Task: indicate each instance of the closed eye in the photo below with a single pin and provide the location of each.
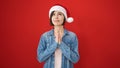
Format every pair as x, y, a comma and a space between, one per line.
60, 13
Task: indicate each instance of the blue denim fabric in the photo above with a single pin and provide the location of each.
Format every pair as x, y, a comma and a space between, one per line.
69, 47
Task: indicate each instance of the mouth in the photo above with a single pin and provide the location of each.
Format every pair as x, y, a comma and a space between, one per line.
56, 20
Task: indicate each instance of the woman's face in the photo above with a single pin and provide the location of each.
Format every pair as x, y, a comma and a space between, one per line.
57, 18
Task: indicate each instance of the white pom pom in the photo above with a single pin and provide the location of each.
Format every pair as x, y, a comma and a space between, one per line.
70, 20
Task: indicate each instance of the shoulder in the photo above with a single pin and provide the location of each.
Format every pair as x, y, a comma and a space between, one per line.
47, 33
72, 34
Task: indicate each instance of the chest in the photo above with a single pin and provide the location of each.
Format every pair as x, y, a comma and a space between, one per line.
51, 39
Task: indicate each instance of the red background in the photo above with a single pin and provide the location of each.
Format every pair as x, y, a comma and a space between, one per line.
96, 23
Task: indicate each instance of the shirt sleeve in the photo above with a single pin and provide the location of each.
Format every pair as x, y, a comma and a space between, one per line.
70, 52
44, 52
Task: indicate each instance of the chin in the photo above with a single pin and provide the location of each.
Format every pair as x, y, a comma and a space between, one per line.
57, 24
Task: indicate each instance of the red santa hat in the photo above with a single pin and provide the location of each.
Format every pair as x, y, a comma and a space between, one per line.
63, 10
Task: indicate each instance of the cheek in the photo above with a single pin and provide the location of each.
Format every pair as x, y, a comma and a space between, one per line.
62, 19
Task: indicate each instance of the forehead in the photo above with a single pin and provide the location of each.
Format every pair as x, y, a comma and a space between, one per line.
58, 12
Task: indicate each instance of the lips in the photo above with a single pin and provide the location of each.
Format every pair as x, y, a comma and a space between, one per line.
56, 20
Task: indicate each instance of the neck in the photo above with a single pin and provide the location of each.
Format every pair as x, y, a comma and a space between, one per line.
58, 28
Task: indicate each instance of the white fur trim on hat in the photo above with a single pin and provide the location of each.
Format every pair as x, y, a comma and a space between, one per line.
61, 9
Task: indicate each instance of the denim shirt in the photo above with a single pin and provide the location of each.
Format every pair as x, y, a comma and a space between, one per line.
69, 47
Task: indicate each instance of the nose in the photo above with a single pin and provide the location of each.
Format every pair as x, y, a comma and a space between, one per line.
56, 16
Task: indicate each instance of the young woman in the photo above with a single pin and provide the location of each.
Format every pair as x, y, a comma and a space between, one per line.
58, 48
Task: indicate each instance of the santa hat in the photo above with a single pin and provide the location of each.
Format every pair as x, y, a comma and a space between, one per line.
61, 9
